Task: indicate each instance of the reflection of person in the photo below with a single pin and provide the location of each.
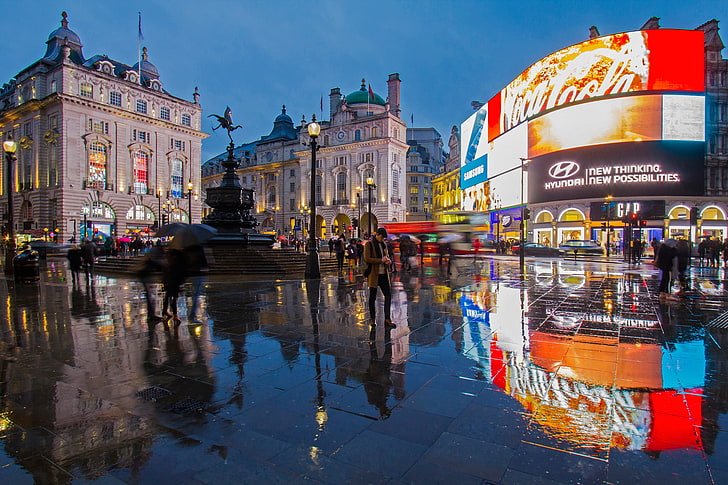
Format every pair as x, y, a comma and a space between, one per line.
683, 263
665, 260
378, 257
152, 262
378, 381
197, 267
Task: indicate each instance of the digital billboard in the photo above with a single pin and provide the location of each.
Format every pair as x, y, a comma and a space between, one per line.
630, 62
622, 170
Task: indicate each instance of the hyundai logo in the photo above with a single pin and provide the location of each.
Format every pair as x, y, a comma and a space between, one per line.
563, 170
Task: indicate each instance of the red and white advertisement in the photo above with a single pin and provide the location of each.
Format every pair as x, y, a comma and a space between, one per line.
650, 60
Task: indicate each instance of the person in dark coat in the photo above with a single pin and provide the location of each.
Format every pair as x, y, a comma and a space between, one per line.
89, 250
75, 262
377, 256
666, 260
172, 278
340, 247
153, 262
682, 252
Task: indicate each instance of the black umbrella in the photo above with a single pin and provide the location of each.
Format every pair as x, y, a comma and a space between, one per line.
169, 230
192, 235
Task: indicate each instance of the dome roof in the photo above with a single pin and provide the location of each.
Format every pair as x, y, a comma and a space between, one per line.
362, 96
149, 69
283, 116
63, 32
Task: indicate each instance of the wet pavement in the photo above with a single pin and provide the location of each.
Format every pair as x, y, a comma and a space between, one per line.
572, 373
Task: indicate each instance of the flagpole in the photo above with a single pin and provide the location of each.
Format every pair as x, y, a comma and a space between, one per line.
139, 50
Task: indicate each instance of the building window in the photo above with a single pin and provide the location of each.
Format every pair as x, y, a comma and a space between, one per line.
177, 172
414, 189
375, 131
357, 135
164, 113
271, 197
186, 120
54, 86
142, 136
87, 90
52, 164
292, 204
141, 172
340, 161
141, 106
53, 122
292, 187
140, 213
97, 126
244, 179
97, 165
395, 183
319, 183
292, 173
414, 201
414, 180
115, 98
178, 145
341, 186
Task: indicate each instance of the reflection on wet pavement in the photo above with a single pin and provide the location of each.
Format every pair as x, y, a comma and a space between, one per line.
571, 373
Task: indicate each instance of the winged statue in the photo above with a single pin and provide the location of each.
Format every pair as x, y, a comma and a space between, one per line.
225, 122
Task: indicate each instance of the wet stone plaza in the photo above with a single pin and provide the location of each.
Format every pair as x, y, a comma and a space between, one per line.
574, 372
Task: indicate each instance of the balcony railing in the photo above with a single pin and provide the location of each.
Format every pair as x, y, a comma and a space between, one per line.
342, 202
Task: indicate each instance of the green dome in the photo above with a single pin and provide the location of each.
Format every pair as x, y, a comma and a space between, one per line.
362, 96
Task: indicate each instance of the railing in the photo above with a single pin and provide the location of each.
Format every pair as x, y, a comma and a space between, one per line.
341, 202
395, 200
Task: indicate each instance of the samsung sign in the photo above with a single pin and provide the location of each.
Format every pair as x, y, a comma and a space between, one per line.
622, 169
474, 172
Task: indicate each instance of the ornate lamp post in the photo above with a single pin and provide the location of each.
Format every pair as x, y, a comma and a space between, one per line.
313, 268
159, 208
370, 186
10, 147
358, 212
189, 200
607, 209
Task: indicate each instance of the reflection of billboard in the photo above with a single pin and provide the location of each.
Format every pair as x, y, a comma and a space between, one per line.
620, 170
651, 60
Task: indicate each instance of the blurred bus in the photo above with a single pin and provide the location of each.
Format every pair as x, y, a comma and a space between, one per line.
460, 228
425, 231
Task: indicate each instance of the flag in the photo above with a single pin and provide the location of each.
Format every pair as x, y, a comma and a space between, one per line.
371, 93
322, 104
412, 119
141, 36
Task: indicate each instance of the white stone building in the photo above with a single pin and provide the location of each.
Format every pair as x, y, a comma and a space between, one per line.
103, 148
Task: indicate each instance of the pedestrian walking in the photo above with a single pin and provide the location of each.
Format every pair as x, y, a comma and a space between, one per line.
666, 261
75, 262
682, 251
172, 278
152, 263
89, 251
377, 256
340, 248
406, 251
332, 242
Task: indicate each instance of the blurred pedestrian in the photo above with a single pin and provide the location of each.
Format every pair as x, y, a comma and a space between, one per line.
682, 251
197, 269
378, 257
340, 248
152, 263
477, 246
75, 262
172, 278
407, 250
666, 261
89, 251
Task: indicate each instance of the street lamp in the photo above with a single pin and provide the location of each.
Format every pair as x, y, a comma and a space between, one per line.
358, 212
608, 208
370, 187
168, 208
10, 147
189, 200
313, 268
524, 211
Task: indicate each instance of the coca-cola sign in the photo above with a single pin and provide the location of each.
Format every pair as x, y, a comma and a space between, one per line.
612, 65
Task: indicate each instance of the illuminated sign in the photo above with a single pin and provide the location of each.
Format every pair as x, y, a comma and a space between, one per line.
613, 210
622, 169
474, 173
649, 60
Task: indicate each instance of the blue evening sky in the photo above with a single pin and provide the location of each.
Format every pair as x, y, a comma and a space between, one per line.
258, 55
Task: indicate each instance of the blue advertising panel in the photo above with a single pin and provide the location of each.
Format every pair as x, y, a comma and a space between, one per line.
474, 172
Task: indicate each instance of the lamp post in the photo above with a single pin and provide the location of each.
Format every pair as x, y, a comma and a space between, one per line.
189, 200
313, 268
10, 147
159, 209
370, 187
608, 207
521, 246
358, 212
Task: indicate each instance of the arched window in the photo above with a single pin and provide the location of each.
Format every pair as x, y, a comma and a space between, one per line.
141, 172
177, 177
140, 213
341, 192
97, 165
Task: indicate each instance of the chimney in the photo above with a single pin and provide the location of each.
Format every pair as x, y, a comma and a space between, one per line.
593, 32
334, 101
393, 94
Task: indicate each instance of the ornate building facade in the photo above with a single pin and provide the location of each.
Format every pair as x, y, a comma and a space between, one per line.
102, 148
425, 158
364, 139
446, 193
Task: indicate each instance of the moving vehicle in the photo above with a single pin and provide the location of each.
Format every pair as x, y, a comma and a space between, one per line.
581, 246
537, 249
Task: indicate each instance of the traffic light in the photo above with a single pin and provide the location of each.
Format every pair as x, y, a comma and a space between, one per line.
355, 222
526, 214
633, 218
694, 216
643, 223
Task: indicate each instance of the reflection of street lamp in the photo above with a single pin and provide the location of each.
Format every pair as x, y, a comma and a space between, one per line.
9, 147
370, 187
521, 248
189, 200
313, 268
305, 211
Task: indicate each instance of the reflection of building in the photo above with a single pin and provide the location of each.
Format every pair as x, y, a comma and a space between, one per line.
604, 129
364, 137
98, 140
